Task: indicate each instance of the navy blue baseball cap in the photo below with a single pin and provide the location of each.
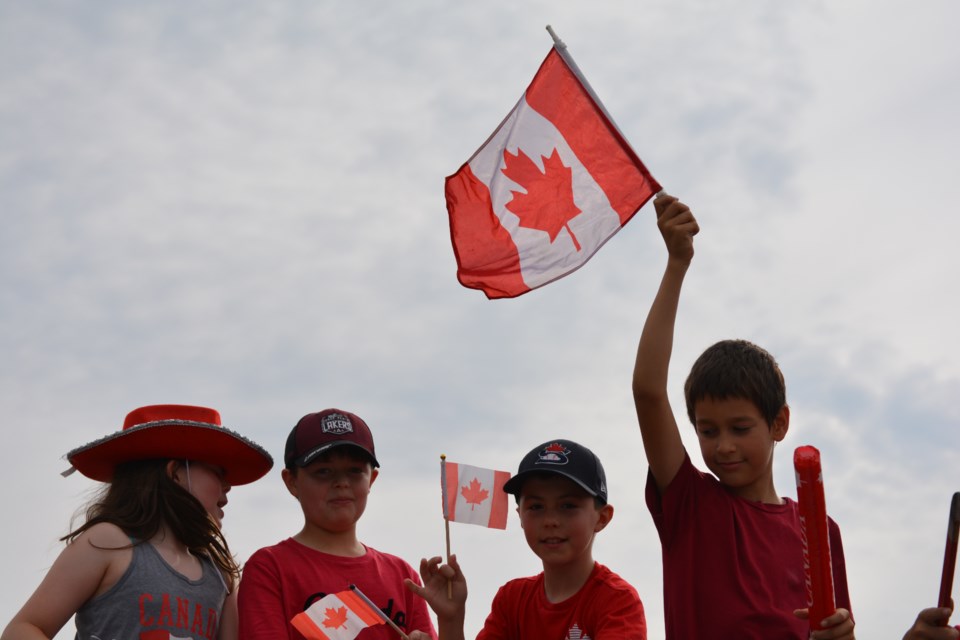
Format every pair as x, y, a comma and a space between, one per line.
566, 458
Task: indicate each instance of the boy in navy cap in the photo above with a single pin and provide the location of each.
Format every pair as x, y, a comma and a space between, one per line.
561, 494
330, 467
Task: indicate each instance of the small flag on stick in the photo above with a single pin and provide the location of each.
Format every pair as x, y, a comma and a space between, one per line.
474, 495
817, 562
340, 616
551, 185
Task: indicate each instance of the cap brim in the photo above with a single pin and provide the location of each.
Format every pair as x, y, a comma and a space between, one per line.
515, 484
242, 460
311, 455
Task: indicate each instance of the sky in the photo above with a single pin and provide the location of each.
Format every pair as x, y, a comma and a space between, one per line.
240, 205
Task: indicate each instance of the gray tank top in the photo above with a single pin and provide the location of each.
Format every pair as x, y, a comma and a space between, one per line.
152, 601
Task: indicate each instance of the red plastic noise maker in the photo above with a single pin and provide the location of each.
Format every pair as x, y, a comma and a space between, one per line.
817, 566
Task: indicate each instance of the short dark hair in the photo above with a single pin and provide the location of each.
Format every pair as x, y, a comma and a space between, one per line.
737, 369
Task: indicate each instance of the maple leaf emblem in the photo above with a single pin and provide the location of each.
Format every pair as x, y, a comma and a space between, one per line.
474, 493
548, 203
336, 618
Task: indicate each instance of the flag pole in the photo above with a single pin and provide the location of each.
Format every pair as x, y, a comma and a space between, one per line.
446, 515
380, 613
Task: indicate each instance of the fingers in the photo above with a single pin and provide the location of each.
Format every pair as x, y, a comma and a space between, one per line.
838, 626
428, 568
662, 201
414, 588
671, 213
929, 625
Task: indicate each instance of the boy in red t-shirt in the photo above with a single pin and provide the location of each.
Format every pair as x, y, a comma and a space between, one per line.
329, 467
561, 493
732, 553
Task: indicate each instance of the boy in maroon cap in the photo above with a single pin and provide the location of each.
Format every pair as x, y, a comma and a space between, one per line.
330, 466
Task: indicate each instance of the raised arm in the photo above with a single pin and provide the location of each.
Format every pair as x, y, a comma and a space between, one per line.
658, 426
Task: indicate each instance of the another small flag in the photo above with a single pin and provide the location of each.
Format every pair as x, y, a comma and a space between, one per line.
474, 495
554, 182
338, 616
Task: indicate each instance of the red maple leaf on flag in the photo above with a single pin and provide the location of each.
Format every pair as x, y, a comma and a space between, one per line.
474, 493
336, 618
548, 203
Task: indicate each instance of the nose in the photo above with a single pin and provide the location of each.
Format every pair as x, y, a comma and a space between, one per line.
551, 519
725, 445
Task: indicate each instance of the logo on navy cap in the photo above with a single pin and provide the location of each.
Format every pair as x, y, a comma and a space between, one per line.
554, 453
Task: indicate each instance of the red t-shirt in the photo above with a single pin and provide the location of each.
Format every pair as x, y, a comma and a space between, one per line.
732, 568
605, 608
281, 581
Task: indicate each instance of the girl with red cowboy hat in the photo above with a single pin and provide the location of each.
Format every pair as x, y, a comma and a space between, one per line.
150, 560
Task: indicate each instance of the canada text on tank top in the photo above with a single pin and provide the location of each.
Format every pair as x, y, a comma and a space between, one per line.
176, 613
399, 618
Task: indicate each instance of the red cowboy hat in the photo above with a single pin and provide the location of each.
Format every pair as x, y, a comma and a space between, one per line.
173, 431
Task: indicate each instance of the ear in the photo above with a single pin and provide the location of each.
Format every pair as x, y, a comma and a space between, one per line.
604, 516
781, 424
374, 472
173, 471
290, 481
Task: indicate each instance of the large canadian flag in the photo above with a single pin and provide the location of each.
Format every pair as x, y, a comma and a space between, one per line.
554, 182
474, 495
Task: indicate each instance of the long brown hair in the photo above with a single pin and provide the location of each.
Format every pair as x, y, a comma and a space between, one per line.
142, 498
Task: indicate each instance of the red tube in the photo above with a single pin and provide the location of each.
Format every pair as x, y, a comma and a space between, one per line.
815, 536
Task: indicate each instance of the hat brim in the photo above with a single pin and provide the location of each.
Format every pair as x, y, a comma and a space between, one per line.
243, 461
314, 453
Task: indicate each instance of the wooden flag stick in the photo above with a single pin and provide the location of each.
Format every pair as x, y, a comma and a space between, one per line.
380, 613
446, 515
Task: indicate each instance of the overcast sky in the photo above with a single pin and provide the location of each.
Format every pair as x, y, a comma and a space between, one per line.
240, 205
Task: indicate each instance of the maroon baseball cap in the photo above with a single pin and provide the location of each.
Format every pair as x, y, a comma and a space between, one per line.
319, 432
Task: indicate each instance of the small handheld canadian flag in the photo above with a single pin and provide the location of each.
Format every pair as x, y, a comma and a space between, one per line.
554, 182
473, 494
341, 616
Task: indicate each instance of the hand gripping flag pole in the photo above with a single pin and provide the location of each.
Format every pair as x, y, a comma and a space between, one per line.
950, 554
817, 565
